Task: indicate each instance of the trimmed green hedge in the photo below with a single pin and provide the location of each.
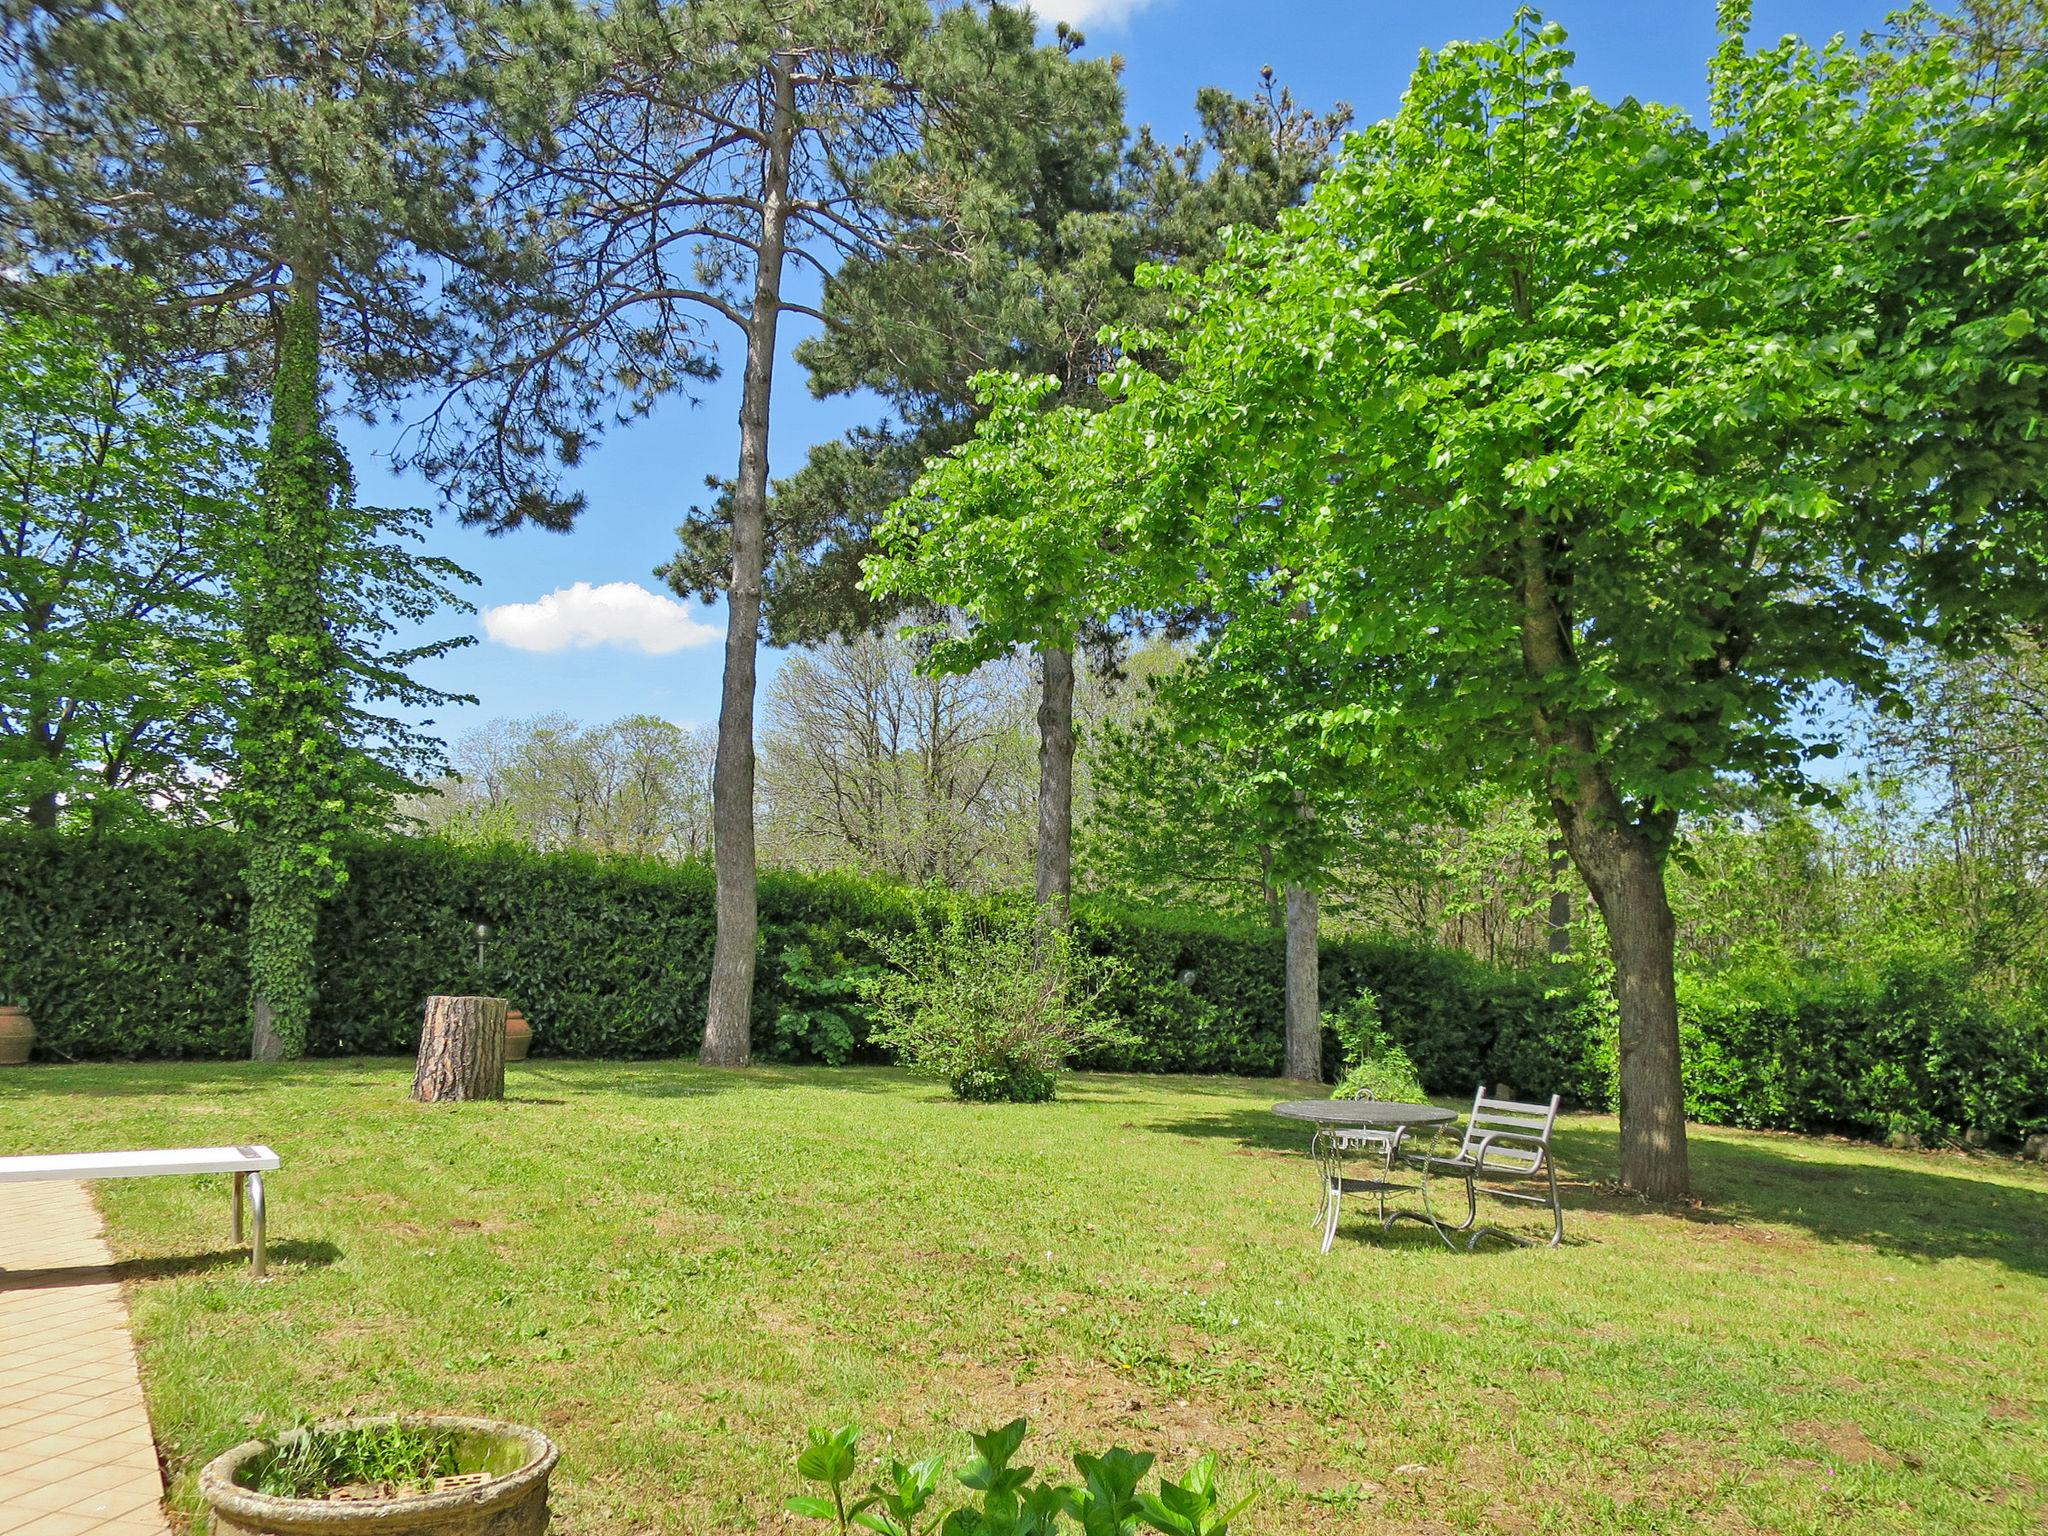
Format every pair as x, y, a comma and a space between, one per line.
132, 945
1907, 1050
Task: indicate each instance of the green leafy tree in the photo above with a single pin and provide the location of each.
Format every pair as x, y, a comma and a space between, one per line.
119, 499
1562, 414
278, 180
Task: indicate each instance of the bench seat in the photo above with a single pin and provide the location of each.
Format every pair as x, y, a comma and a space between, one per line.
129, 1165
246, 1164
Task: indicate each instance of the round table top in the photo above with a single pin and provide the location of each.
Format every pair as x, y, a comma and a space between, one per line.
1362, 1112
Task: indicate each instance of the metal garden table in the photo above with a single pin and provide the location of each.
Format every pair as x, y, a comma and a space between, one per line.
1371, 1122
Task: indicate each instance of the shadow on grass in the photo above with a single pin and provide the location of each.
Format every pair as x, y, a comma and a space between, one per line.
309, 1252
1906, 1210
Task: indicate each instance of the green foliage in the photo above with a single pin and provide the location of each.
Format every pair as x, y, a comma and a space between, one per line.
125, 945
1375, 1066
1904, 1048
119, 501
901, 1499
396, 1457
992, 1002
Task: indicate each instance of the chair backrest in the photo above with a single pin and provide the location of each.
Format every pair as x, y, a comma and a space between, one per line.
1530, 1120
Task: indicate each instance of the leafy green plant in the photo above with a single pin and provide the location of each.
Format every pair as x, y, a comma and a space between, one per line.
901, 1499
1375, 1067
815, 1020
394, 1457
991, 1003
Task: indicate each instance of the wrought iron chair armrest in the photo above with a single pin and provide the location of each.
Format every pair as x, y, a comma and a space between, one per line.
1488, 1138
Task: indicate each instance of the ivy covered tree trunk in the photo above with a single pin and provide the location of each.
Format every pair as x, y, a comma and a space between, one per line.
1304, 985
728, 1015
290, 783
1055, 850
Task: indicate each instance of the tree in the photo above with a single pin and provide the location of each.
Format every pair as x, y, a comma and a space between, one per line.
1057, 267
639, 786
697, 156
273, 185
916, 776
1560, 413
118, 502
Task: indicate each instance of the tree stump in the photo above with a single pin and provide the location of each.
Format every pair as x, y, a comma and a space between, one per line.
462, 1050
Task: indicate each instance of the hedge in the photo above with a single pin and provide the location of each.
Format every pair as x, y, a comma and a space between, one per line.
131, 945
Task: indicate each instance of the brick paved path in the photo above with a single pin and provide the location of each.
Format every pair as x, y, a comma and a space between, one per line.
76, 1458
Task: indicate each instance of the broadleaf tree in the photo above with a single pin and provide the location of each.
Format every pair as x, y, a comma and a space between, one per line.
1572, 419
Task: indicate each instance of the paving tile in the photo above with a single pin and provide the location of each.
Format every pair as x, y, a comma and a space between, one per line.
76, 1458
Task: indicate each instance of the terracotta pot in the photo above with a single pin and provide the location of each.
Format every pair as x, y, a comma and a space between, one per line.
518, 1035
17, 1034
511, 1501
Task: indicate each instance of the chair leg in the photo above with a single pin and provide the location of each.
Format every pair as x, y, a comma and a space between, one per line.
256, 1226
236, 1195
1556, 1207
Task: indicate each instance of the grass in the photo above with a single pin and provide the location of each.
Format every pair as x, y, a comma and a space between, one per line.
674, 1271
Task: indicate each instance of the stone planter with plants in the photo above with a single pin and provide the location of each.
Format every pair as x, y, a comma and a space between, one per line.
427, 1475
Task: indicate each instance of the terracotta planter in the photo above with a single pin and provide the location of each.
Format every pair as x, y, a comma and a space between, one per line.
518, 1035
17, 1034
512, 1500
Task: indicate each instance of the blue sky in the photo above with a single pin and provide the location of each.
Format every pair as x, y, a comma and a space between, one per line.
618, 651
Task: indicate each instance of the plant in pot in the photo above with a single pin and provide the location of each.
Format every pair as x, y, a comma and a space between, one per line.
416, 1475
17, 1032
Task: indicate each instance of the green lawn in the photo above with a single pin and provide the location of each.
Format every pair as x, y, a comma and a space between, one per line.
674, 1271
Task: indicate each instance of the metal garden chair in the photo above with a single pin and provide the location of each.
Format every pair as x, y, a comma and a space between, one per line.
1503, 1139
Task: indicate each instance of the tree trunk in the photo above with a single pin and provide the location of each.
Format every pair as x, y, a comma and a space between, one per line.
1626, 878
1055, 857
1268, 891
728, 1016
1622, 860
1560, 918
1304, 986
281, 792
462, 1050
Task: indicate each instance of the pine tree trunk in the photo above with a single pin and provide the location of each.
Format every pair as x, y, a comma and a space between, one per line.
1055, 855
462, 1050
728, 1016
1304, 985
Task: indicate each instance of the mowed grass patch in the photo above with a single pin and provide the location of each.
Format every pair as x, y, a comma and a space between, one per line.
673, 1271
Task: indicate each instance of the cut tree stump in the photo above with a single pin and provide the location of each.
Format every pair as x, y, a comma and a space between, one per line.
462, 1050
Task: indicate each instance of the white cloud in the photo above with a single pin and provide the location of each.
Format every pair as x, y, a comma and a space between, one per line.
617, 613
1083, 12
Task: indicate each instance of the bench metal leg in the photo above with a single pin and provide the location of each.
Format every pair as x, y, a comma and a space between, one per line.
235, 1194
256, 1225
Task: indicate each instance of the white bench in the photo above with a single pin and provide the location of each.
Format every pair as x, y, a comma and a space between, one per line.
247, 1164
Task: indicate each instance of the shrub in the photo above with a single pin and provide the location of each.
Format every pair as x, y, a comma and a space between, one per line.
1375, 1067
991, 1002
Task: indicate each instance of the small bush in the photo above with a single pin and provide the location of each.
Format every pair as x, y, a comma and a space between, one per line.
991, 1003
1375, 1067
